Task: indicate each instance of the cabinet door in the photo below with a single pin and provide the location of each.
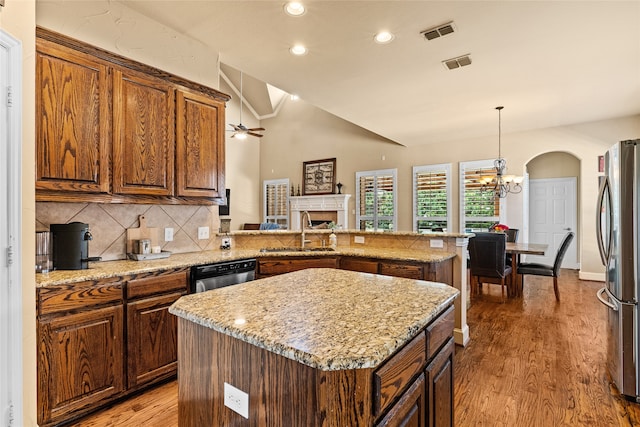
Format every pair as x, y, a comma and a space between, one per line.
72, 121
143, 135
152, 344
199, 146
80, 359
409, 411
439, 375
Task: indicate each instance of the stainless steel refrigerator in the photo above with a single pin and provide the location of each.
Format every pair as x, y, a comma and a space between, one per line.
617, 229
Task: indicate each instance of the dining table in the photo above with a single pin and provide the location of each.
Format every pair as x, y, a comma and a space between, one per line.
514, 289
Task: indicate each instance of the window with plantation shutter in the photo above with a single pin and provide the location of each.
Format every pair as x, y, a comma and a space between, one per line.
478, 209
276, 202
432, 198
376, 200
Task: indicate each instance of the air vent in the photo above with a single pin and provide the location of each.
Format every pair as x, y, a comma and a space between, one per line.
439, 31
460, 61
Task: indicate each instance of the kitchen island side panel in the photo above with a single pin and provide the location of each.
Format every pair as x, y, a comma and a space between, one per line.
281, 391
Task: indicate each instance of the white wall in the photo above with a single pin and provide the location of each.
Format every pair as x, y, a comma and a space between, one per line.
18, 19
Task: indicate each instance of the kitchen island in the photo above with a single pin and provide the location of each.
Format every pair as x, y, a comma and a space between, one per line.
317, 347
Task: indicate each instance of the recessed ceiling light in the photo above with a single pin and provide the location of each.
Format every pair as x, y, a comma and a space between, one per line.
298, 50
294, 8
384, 37
294, 97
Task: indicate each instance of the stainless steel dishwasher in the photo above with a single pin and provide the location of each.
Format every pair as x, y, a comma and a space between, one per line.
221, 274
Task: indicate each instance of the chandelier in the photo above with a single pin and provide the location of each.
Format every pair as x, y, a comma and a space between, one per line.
500, 184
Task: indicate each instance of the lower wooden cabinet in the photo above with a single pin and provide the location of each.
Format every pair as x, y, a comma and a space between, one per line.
79, 362
272, 266
439, 379
101, 340
441, 271
415, 386
152, 340
410, 409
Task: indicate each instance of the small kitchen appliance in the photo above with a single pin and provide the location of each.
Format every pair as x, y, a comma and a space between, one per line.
71, 246
43, 251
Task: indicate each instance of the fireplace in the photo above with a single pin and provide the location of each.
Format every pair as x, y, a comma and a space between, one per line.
324, 208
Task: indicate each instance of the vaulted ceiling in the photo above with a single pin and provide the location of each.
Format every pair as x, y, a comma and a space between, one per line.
550, 63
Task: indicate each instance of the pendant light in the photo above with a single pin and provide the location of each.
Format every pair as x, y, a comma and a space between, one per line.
500, 184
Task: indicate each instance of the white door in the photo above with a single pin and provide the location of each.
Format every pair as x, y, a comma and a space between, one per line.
10, 207
552, 214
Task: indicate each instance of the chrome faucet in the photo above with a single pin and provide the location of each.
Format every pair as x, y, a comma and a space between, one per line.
308, 222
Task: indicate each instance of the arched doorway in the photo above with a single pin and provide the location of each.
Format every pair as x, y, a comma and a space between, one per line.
554, 189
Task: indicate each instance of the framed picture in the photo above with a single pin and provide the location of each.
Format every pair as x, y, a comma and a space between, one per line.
318, 177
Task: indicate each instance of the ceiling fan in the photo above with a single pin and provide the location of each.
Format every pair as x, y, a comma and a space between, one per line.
240, 131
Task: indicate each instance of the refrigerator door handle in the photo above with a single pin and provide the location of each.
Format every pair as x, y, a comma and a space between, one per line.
607, 301
605, 190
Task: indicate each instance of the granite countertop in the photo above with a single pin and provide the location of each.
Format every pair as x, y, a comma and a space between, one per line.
107, 269
324, 318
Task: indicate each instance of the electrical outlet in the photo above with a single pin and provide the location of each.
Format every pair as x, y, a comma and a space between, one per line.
236, 400
436, 243
203, 233
226, 242
358, 239
168, 234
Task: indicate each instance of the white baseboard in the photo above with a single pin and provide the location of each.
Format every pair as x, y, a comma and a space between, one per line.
586, 275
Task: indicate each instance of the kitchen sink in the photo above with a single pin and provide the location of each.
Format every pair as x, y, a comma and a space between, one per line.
297, 249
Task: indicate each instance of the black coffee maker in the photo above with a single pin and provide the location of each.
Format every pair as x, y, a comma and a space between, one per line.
71, 246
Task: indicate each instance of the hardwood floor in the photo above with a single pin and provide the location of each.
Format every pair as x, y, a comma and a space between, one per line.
531, 362
535, 362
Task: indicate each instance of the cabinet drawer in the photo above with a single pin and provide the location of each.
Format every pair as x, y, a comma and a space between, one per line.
74, 296
440, 331
358, 264
401, 270
289, 264
394, 376
158, 284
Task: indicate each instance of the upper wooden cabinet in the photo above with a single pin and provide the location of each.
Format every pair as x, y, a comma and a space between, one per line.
143, 134
110, 129
72, 121
199, 146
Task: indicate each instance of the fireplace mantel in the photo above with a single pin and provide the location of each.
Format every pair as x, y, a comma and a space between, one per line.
338, 203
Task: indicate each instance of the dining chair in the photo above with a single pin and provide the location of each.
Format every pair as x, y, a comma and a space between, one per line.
487, 260
548, 270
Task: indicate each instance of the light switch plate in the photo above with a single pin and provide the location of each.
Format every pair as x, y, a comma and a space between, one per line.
436, 243
168, 234
203, 233
236, 400
358, 239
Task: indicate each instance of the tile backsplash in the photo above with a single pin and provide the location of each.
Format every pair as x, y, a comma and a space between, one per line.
108, 224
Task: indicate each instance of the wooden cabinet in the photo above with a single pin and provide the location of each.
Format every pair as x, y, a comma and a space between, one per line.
199, 146
415, 385
101, 340
143, 134
80, 348
439, 382
110, 129
399, 269
72, 121
363, 265
410, 409
152, 346
441, 271
279, 265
